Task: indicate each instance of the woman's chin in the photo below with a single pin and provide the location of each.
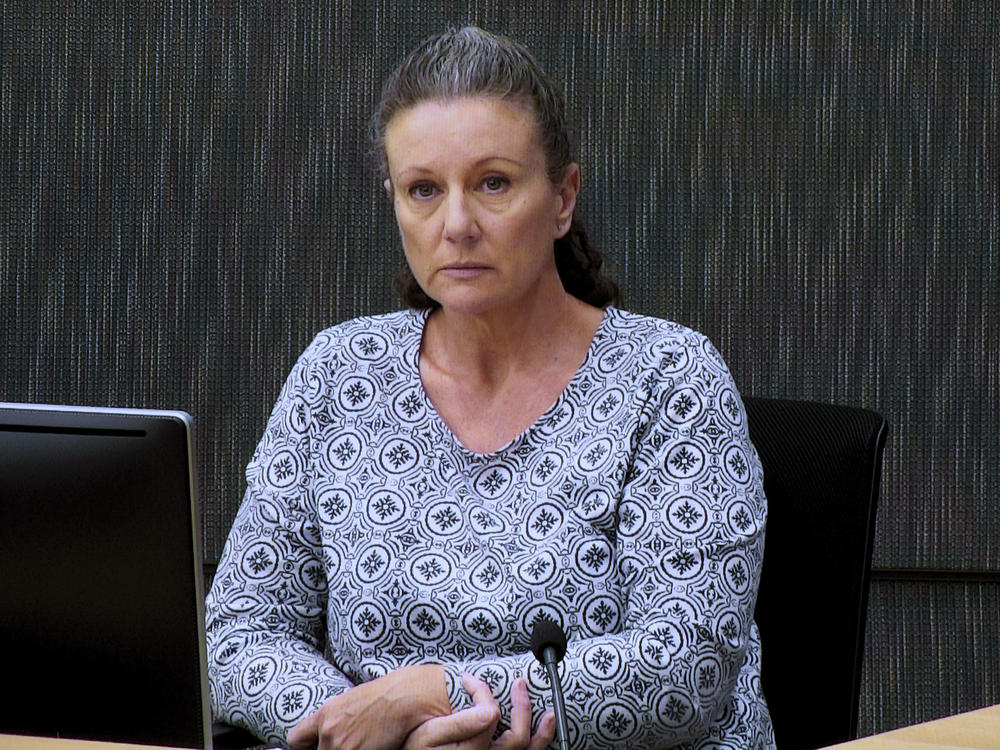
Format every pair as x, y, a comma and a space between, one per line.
468, 301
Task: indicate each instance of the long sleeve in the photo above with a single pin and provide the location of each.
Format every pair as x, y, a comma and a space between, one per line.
665, 651
266, 610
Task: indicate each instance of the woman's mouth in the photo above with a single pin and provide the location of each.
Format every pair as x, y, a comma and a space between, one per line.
464, 270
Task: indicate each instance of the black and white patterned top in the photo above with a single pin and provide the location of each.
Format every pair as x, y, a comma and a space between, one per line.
631, 513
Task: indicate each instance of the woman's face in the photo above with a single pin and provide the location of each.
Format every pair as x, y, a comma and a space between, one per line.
477, 212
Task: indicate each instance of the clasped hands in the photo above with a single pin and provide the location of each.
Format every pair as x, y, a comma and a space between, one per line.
408, 709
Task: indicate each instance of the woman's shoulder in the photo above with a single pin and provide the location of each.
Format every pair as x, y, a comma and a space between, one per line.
369, 338
660, 344
650, 332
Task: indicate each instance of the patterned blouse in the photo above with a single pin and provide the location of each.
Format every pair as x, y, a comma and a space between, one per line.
631, 513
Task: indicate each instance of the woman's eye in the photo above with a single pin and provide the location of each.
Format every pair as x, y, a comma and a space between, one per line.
494, 184
422, 191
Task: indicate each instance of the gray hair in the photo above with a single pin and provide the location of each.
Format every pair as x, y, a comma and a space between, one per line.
470, 62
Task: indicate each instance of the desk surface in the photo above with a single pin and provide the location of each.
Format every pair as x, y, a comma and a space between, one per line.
19, 742
975, 729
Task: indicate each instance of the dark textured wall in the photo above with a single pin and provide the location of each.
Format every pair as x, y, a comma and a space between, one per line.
185, 199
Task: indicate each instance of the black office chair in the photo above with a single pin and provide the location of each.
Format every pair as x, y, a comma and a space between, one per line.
822, 468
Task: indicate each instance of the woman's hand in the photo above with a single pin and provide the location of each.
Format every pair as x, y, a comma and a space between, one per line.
469, 729
473, 728
376, 715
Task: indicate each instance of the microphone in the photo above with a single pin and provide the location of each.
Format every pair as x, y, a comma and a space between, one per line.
548, 644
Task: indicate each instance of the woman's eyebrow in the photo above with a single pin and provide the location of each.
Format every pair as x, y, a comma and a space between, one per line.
416, 168
498, 158
422, 169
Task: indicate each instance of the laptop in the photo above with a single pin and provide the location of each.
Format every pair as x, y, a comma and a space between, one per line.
101, 590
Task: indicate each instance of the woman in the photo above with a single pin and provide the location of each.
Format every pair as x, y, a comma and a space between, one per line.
434, 481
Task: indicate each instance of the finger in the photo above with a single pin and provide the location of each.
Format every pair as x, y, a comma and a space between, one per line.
303, 735
545, 734
520, 718
456, 727
478, 690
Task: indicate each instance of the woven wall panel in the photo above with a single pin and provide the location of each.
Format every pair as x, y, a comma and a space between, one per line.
813, 185
931, 651
185, 199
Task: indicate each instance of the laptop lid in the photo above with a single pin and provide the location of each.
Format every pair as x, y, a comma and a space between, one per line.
101, 591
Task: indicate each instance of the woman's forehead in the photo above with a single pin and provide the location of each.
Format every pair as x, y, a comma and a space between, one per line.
469, 127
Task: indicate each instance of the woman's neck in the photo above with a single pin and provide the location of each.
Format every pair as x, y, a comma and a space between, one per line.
490, 379
535, 338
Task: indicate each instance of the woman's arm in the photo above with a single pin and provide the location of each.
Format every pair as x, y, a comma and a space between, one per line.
266, 611
686, 546
264, 625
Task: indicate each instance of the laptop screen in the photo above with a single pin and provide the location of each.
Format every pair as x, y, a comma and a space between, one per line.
101, 602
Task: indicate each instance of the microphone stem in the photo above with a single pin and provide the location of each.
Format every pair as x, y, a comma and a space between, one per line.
560, 705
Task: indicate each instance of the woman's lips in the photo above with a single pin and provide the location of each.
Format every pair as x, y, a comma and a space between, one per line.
464, 271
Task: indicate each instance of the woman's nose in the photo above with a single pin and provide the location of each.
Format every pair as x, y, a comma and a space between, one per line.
459, 222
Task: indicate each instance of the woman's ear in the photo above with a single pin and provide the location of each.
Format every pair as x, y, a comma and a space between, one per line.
388, 186
569, 189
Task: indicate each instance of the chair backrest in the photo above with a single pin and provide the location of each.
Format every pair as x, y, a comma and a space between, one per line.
822, 468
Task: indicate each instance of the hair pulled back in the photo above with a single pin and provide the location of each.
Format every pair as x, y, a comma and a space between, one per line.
470, 62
